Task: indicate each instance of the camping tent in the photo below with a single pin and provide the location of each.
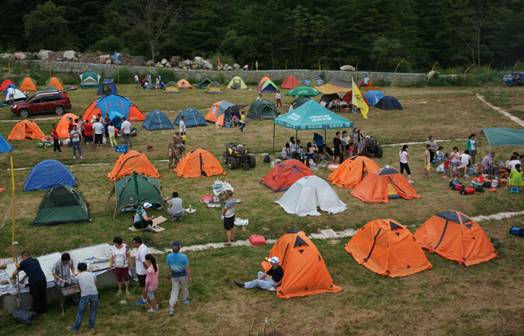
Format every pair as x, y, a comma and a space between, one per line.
352, 171
262, 109
225, 118
16, 95
388, 248
89, 79
382, 185
48, 174
348, 97
114, 106
204, 83
107, 87
5, 147
192, 117
389, 103
329, 88
62, 204
28, 85
290, 83
267, 85
148, 191
56, 83
26, 129
303, 91
373, 97
299, 101
132, 162
172, 89
214, 88
157, 120
198, 163
62, 127
183, 84
5, 84
217, 109
504, 136
328, 98
305, 271
309, 193
237, 83
454, 236
284, 174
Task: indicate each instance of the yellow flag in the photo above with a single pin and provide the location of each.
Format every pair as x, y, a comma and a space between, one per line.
359, 101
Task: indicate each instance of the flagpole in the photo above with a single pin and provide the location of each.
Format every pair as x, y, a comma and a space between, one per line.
13, 209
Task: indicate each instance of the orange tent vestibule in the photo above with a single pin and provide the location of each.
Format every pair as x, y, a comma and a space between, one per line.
132, 162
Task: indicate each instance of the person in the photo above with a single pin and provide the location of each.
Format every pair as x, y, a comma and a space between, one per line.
345, 138
427, 160
173, 150
256, 65
301, 153
404, 162
136, 79
471, 146
140, 267
182, 126
10, 94
149, 292
278, 98
56, 139
141, 220
319, 142
454, 160
243, 121
515, 177
76, 136
286, 154
433, 147
98, 129
487, 164
111, 131
119, 261
179, 274
465, 163
366, 80
88, 296
175, 207
337, 148
37, 281
125, 127
269, 280
439, 155
228, 214
88, 132
311, 152
513, 161
63, 271
293, 146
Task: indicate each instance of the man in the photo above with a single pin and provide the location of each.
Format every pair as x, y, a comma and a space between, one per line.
433, 147
175, 207
182, 126
278, 98
337, 148
56, 139
87, 132
178, 272
88, 296
63, 271
141, 220
140, 267
269, 280
487, 164
37, 281
427, 161
10, 94
126, 131
98, 129
75, 137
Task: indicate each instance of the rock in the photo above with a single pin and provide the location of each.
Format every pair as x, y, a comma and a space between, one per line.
431, 74
227, 67
19, 56
175, 59
163, 61
159, 65
108, 61
43, 54
347, 68
69, 55
150, 63
236, 66
6, 56
104, 58
167, 65
202, 63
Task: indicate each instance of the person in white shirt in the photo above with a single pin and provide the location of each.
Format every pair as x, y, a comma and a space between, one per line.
119, 261
125, 128
140, 268
88, 296
404, 162
513, 161
278, 98
98, 130
111, 134
10, 94
465, 162
182, 126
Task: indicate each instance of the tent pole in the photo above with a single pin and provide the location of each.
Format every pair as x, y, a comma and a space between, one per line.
325, 135
274, 130
137, 194
13, 209
296, 134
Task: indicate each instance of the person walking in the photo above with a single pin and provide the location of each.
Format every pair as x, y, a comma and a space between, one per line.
243, 121
140, 267
228, 215
111, 134
76, 136
471, 146
179, 274
119, 261
56, 139
126, 131
433, 147
404, 162
98, 129
37, 281
151, 287
427, 160
88, 296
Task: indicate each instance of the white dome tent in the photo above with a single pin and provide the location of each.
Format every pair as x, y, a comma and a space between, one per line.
14, 95
308, 194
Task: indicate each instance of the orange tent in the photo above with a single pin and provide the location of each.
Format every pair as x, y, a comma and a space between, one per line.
352, 171
198, 163
305, 272
290, 83
26, 129
386, 183
27, 85
63, 125
56, 83
386, 247
455, 236
183, 84
284, 174
132, 162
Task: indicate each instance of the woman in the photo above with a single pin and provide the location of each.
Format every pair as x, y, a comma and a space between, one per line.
404, 162
471, 146
119, 260
454, 160
228, 214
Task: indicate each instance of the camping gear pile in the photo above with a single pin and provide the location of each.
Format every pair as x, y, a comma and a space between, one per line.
237, 156
478, 184
371, 147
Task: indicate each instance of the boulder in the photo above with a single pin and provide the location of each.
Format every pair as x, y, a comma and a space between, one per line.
175, 59
43, 54
70, 55
202, 63
167, 65
163, 61
227, 67
347, 68
108, 61
236, 66
6, 56
159, 65
150, 63
20, 56
104, 58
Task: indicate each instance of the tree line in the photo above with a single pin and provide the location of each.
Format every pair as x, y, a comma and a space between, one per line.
370, 34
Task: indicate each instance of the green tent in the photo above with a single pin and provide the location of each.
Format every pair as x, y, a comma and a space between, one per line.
303, 91
204, 83
299, 101
89, 79
262, 109
148, 191
268, 86
237, 83
504, 136
62, 204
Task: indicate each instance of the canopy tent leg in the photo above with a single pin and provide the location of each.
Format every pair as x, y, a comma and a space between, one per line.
13, 209
274, 130
296, 135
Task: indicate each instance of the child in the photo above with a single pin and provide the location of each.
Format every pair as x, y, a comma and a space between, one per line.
515, 177
351, 149
151, 283
447, 164
439, 155
427, 161
111, 131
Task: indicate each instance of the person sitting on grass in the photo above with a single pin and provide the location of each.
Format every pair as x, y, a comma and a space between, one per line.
515, 177
142, 220
175, 206
465, 163
286, 152
269, 280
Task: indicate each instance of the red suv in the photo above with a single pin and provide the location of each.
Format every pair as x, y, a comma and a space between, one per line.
43, 102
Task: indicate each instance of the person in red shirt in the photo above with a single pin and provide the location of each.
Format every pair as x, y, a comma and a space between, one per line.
56, 140
88, 132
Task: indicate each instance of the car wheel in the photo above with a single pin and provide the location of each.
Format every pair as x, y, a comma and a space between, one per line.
59, 110
24, 113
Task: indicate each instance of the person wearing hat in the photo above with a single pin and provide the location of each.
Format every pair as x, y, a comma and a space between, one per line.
179, 274
269, 280
141, 219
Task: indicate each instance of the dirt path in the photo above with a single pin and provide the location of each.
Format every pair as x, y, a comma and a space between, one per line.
505, 113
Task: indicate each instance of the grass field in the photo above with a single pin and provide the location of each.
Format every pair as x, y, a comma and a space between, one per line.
449, 299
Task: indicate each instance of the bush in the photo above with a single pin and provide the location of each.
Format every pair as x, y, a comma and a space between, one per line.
109, 44
167, 75
123, 76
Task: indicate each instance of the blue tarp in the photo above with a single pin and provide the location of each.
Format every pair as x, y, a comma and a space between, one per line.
373, 97
192, 117
157, 120
5, 147
47, 174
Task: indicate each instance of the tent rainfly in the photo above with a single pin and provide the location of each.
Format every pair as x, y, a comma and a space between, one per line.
498, 137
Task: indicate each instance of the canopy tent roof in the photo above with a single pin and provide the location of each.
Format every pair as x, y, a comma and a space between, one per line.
310, 116
504, 136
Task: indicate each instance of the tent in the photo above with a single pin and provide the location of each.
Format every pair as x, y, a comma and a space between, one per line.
388, 248
157, 120
28, 85
62, 204
17, 96
224, 118
198, 163
303, 91
204, 83
214, 88
48, 174
89, 79
328, 98
373, 97
5, 147
183, 84
284, 174
56, 83
148, 191
132, 162
455, 236
290, 83
107, 87
114, 106
267, 86
348, 97
305, 271
192, 117
387, 183
329, 88
352, 171
309, 193
237, 83
172, 89
217, 109
262, 109
63, 125
299, 101
389, 103
26, 129
504, 136
5, 84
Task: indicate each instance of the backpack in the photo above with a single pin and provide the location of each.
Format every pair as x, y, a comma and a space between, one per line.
267, 159
25, 316
467, 190
517, 231
257, 240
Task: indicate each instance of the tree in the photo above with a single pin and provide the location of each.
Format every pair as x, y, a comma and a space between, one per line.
45, 27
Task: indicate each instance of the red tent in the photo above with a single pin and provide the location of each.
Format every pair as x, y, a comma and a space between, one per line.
348, 97
290, 83
284, 174
5, 84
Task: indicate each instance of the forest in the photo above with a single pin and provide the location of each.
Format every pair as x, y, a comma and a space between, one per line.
382, 35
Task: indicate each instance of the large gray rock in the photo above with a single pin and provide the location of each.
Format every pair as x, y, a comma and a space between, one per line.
20, 56
175, 59
104, 58
43, 54
7, 56
70, 55
202, 63
150, 63
163, 61
227, 67
236, 66
347, 68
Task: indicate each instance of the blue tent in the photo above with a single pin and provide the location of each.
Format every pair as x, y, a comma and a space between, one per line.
373, 97
5, 147
157, 120
389, 103
192, 117
107, 87
47, 174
